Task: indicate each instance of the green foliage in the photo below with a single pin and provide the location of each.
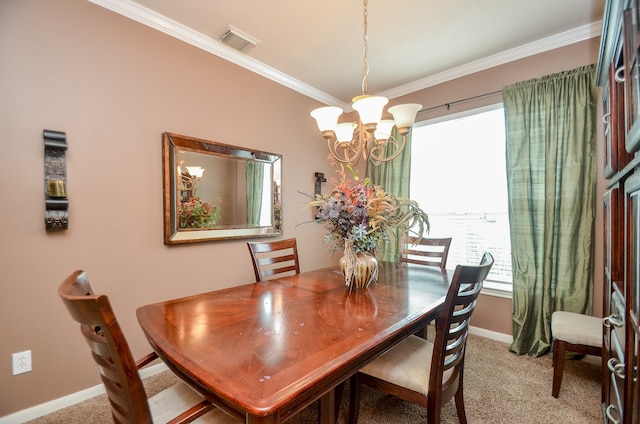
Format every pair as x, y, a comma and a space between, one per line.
196, 213
365, 214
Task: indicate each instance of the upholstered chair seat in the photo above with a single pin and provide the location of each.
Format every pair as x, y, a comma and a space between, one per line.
404, 365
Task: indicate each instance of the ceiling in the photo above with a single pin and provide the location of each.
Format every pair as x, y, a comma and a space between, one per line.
316, 47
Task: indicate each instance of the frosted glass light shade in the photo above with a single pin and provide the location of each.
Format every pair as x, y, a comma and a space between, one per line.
344, 132
383, 130
326, 118
195, 171
405, 116
370, 110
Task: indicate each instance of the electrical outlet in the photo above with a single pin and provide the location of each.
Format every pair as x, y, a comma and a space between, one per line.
21, 362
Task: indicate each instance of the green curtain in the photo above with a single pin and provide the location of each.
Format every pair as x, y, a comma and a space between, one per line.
254, 173
551, 175
394, 177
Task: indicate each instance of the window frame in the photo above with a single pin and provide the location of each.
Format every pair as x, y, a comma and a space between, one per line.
491, 287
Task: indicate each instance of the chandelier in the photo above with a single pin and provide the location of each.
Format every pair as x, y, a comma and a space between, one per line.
370, 138
189, 181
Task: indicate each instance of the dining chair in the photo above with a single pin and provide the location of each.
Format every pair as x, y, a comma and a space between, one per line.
573, 332
274, 258
425, 251
424, 372
119, 371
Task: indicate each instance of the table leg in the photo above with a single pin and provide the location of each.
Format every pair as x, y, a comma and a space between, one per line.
327, 410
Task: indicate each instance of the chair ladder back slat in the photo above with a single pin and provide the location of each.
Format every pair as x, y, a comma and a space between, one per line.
276, 271
425, 251
276, 260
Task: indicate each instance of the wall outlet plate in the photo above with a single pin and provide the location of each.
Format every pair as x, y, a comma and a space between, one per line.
21, 362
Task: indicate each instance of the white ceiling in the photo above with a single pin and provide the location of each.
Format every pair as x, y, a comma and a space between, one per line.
316, 46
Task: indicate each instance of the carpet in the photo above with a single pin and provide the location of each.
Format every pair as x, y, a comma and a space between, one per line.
500, 387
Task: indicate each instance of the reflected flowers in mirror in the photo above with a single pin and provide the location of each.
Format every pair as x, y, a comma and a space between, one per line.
197, 213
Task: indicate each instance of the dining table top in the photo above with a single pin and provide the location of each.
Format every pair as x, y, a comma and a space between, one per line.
264, 351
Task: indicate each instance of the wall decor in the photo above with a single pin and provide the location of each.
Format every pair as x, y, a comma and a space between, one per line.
215, 191
55, 181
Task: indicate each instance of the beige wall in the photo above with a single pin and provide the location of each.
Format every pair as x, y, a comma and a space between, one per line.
114, 86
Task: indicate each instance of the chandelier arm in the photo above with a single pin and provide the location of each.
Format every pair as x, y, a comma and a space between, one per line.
333, 146
392, 140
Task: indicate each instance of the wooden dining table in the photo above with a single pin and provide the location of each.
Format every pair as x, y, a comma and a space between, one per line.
265, 351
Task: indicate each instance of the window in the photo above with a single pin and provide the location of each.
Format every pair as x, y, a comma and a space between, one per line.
458, 176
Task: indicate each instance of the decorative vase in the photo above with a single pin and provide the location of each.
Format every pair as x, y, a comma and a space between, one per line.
359, 269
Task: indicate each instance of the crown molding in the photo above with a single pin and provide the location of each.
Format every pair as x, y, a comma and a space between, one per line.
175, 29
550, 43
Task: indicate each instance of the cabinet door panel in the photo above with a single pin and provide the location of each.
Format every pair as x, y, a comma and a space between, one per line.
632, 275
632, 190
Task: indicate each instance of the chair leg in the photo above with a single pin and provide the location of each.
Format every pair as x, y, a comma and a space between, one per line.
559, 347
354, 400
462, 415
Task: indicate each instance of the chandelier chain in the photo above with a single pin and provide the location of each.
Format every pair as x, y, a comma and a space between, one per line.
365, 69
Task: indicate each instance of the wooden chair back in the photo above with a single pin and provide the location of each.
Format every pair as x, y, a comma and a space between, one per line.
452, 330
109, 347
273, 259
425, 251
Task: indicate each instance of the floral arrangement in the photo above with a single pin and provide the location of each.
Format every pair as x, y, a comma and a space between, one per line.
196, 213
360, 214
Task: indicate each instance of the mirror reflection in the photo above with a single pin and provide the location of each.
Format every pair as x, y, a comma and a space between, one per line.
218, 191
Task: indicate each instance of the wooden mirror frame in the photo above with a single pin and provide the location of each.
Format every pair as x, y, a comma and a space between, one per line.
174, 145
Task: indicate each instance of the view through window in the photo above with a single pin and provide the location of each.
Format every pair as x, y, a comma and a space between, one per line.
458, 176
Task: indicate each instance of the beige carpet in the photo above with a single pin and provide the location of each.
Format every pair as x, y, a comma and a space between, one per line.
500, 387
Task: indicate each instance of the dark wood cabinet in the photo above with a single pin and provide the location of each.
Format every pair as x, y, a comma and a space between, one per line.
618, 74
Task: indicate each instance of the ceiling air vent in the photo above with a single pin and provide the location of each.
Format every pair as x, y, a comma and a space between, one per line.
237, 39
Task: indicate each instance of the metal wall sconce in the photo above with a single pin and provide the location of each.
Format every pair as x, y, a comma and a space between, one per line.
319, 180
55, 181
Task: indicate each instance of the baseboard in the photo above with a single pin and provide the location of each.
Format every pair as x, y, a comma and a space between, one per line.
493, 335
66, 401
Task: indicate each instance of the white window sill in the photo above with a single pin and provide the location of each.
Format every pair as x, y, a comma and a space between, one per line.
491, 288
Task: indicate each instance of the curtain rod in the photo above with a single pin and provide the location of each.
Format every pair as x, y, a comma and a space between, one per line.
448, 105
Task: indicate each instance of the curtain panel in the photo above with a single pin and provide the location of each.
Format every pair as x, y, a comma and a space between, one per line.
551, 176
394, 177
254, 175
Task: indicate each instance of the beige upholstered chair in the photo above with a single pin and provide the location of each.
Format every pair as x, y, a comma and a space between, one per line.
573, 332
274, 258
429, 373
428, 251
119, 372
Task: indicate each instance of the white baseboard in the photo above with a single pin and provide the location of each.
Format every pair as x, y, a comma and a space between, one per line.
66, 401
493, 335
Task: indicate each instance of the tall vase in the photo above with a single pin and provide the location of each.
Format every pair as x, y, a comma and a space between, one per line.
359, 269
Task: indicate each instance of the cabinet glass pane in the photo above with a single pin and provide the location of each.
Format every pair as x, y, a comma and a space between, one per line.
634, 250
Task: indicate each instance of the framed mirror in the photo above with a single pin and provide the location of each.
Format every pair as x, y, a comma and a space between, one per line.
215, 191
